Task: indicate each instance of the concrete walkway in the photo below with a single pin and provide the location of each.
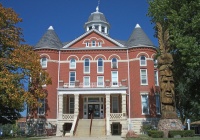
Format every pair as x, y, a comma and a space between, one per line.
85, 138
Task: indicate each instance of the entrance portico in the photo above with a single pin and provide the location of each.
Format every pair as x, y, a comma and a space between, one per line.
108, 104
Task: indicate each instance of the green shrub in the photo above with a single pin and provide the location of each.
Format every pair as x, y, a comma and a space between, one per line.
173, 133
182, 133
188, 133
155, 134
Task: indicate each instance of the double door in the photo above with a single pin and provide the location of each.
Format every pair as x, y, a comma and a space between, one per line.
93, 110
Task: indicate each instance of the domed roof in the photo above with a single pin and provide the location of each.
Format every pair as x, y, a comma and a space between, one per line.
97, 17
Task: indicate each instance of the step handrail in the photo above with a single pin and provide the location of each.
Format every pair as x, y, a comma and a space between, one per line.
91, 117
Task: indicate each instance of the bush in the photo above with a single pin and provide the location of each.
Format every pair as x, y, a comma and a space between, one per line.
188, 133
173, 133
182, 133
155, 134
146, 127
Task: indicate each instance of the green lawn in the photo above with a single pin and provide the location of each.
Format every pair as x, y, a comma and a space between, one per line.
145, 137
20, 138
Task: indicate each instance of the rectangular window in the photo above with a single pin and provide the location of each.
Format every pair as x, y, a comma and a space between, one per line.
100, 81
115, 104
86, 80
71, 105
41, 109
143, 77
145, 104
156, 77
72, 78
157, 104
114, 78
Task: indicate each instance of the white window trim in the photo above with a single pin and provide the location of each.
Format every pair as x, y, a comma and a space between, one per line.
98, 81
87, 66
112, 79
45, 66
143, 60
156, 74
84, 82
70, 77
100, 66
113, 62
142, 94
70, 64
93, 43
141, 77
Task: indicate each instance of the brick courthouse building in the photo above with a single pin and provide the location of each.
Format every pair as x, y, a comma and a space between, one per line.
113, 80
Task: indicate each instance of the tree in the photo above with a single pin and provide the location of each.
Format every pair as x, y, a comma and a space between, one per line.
182, 18
18, 62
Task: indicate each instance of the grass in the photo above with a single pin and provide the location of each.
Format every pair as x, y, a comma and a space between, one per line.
20, 138
145, 137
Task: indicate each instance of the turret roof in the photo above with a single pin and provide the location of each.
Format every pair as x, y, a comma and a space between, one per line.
138, 38
49, 40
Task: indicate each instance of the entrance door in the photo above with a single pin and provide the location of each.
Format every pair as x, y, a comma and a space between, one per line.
93, 109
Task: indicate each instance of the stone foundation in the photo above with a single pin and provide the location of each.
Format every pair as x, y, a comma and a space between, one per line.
166, 125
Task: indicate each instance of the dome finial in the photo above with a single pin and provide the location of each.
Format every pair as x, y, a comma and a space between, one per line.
97, 9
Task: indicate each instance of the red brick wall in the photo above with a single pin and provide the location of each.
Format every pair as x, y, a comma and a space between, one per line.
135, 87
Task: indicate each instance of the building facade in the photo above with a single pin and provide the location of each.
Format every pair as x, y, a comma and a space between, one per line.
96, 76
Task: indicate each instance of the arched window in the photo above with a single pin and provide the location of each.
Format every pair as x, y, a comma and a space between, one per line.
114, 63
72, 63
43, 62
143, 61
100, 65
87, 65
93, 43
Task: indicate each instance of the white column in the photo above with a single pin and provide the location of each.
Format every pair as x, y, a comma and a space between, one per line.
100, 28
60, 106
106, 30
124, 129
76, 104
108, 114
124, 104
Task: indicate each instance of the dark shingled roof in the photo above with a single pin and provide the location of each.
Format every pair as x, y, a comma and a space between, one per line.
96, 17
49, 40
138, 38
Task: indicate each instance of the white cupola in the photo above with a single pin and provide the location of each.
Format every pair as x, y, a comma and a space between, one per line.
98, 21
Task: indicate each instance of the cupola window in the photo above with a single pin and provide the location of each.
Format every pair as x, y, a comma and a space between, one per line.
103, 29
96, 27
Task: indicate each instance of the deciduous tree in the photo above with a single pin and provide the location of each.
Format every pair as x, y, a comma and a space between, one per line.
182, 18
18, 62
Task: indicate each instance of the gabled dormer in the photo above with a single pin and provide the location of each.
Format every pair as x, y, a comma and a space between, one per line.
97, 21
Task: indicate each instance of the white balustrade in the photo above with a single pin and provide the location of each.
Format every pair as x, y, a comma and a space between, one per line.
68, 116
116, 116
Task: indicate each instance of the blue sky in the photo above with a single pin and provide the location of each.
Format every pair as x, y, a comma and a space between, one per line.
68, 17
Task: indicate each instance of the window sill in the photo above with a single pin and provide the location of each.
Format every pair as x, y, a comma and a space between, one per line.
144, 84
145, 114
